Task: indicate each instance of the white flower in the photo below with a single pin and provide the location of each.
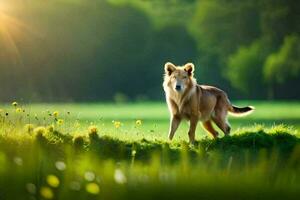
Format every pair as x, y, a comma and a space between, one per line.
89, 176
119, 177
60, 165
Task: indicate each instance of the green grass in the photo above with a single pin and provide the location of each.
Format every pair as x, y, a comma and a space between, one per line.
259, 161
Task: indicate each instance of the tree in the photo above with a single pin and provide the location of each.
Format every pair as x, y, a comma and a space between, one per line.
283, 65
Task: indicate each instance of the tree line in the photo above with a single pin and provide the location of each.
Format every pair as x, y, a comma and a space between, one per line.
102, 50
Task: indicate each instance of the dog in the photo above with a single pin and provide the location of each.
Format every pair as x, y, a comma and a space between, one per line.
188, 100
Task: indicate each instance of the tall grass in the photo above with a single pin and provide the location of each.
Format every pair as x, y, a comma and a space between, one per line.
44, 158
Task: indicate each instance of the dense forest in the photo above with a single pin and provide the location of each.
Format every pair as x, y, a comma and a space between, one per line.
103, 50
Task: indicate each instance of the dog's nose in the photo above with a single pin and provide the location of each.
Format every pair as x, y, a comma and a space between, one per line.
178, 87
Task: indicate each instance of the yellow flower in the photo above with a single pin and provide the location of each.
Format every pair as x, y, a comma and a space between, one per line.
1, 110
117, 124
92, 188
60, 122
29, 128
14, 103
40, 130
53, 181
138, 122
93, 129
18, 110
55, 113
50, 128
46, 192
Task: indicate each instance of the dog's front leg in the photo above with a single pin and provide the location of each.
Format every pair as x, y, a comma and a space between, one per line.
193, 125
174, 123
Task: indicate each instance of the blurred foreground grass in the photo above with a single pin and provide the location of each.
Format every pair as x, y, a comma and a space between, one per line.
47, 153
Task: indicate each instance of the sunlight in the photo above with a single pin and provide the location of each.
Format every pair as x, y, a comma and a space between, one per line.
11, 29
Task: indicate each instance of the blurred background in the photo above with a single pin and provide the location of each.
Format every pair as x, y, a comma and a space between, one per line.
114, 50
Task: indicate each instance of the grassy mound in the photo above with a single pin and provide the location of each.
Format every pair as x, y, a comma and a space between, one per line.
43, 163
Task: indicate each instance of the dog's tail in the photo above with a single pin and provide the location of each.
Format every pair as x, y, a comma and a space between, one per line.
239, 112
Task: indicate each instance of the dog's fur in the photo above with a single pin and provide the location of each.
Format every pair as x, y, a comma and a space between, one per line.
186, 99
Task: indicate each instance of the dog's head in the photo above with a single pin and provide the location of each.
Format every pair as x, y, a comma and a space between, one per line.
179, 78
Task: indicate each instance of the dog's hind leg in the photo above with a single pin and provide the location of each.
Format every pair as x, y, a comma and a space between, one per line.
220, 120
175, 121
208, 126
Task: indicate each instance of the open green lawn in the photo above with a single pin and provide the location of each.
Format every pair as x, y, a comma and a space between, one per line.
100, 151
154, 116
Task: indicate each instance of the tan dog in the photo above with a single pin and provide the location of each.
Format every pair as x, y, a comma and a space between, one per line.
186, 99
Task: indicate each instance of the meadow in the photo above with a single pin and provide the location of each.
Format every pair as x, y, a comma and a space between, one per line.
121, 151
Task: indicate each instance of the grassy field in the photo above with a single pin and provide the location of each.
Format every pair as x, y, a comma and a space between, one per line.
108, 151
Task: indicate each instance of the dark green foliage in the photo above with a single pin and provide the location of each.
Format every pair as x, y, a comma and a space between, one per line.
98, 50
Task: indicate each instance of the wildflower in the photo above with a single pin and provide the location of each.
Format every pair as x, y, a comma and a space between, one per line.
92, 188
77, 124
60, 122
18, 110
40, 130
50, 128
117, 124
89, 176
29, 128
93, 130
53, 181
78, 141
46, 192
15, 104
133, 152
138, 122
1, 110
60, 165
31, 188
119, 177
55, 114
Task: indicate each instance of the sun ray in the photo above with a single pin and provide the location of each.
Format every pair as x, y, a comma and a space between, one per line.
12, 30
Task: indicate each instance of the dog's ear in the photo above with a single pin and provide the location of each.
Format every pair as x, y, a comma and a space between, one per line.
169, 68
189, 68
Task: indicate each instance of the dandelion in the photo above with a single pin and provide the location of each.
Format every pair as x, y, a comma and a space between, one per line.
18, 110
29, 128
46, 192
119, 177
55, 114
77, 124
15, 104
40, 130
133, 152
1, 110
53, 181
31, 188
60, 165
92, 188
50, 128
138, 122
78, 141
93, 130
89, 176
117, 124
60, 122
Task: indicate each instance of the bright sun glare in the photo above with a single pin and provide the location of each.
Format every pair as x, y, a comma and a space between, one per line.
11, 29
